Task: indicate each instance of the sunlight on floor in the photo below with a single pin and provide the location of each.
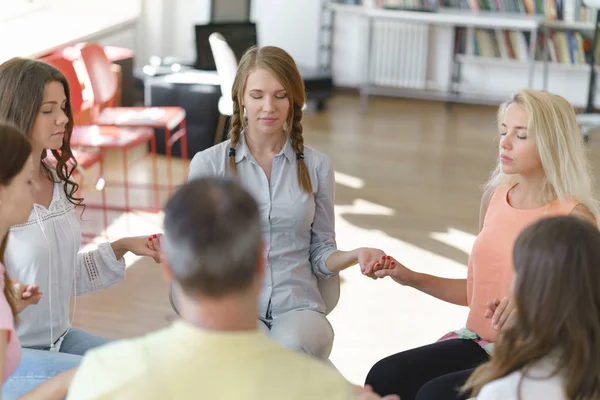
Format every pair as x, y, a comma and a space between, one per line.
456, 238
375, 319
348, 180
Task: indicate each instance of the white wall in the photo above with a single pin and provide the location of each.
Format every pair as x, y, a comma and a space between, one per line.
349, 44
180, 25
166, 28
292, 25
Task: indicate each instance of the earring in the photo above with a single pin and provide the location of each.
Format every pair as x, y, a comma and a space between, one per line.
245, 113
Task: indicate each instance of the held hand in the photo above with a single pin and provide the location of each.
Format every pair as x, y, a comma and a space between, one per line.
366, 393
367, 258
148, 246
389, 266
502, 313
25, 295
154, 243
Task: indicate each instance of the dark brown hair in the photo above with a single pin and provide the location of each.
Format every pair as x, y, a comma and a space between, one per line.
283, 67
557, 304
14, 152
22, 84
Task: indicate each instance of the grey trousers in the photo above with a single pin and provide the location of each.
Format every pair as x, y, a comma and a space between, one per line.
304, 331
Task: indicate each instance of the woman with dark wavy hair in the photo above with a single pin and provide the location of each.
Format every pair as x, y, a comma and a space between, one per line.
44, 250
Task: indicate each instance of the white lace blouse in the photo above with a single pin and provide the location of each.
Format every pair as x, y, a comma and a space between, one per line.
45, 251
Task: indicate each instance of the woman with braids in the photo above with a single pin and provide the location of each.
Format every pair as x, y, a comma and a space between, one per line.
294, 187
44, 250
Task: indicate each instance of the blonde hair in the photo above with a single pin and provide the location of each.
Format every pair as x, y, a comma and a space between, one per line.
553, 126
283, 67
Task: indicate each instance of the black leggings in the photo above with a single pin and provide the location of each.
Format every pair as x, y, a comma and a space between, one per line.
432, 372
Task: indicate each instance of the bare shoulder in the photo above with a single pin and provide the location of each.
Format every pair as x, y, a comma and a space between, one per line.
581, 211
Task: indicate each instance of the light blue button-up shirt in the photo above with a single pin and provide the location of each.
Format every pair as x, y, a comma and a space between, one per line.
298, 228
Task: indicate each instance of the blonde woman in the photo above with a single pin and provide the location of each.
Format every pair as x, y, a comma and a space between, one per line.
294, 187
542, 171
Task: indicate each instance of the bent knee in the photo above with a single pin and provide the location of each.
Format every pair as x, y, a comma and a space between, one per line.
307, 342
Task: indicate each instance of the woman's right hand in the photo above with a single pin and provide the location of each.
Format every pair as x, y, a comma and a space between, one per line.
25, 295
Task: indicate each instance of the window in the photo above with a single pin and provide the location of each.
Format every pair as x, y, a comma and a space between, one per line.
10, 9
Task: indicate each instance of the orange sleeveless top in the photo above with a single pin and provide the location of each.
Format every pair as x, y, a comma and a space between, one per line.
490, 269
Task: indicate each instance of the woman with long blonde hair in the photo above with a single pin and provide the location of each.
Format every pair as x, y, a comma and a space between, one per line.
542, 171
294, 187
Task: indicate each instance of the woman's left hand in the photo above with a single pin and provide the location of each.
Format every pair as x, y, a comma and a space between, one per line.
367, 258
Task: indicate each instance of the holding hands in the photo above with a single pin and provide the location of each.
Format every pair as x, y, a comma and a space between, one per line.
368, 257
387, 266
148, 246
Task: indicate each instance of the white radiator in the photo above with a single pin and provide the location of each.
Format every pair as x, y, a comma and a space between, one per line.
399, 54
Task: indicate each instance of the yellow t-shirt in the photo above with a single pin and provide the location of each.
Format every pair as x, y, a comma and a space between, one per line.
186, 362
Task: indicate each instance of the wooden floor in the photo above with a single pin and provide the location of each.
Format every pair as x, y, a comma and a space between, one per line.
412, 167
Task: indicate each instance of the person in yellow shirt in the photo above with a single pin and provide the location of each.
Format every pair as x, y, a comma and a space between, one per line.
212, 250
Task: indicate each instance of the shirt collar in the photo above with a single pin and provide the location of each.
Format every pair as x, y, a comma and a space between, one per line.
242, 150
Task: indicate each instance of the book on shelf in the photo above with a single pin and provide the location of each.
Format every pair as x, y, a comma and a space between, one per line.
559, 10
554, 10
567, 47
410, 5
569, 42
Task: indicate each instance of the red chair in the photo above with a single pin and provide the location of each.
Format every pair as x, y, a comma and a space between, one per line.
108, 137
104, 84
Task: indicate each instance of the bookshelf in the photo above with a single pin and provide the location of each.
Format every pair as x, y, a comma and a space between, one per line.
512, 45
